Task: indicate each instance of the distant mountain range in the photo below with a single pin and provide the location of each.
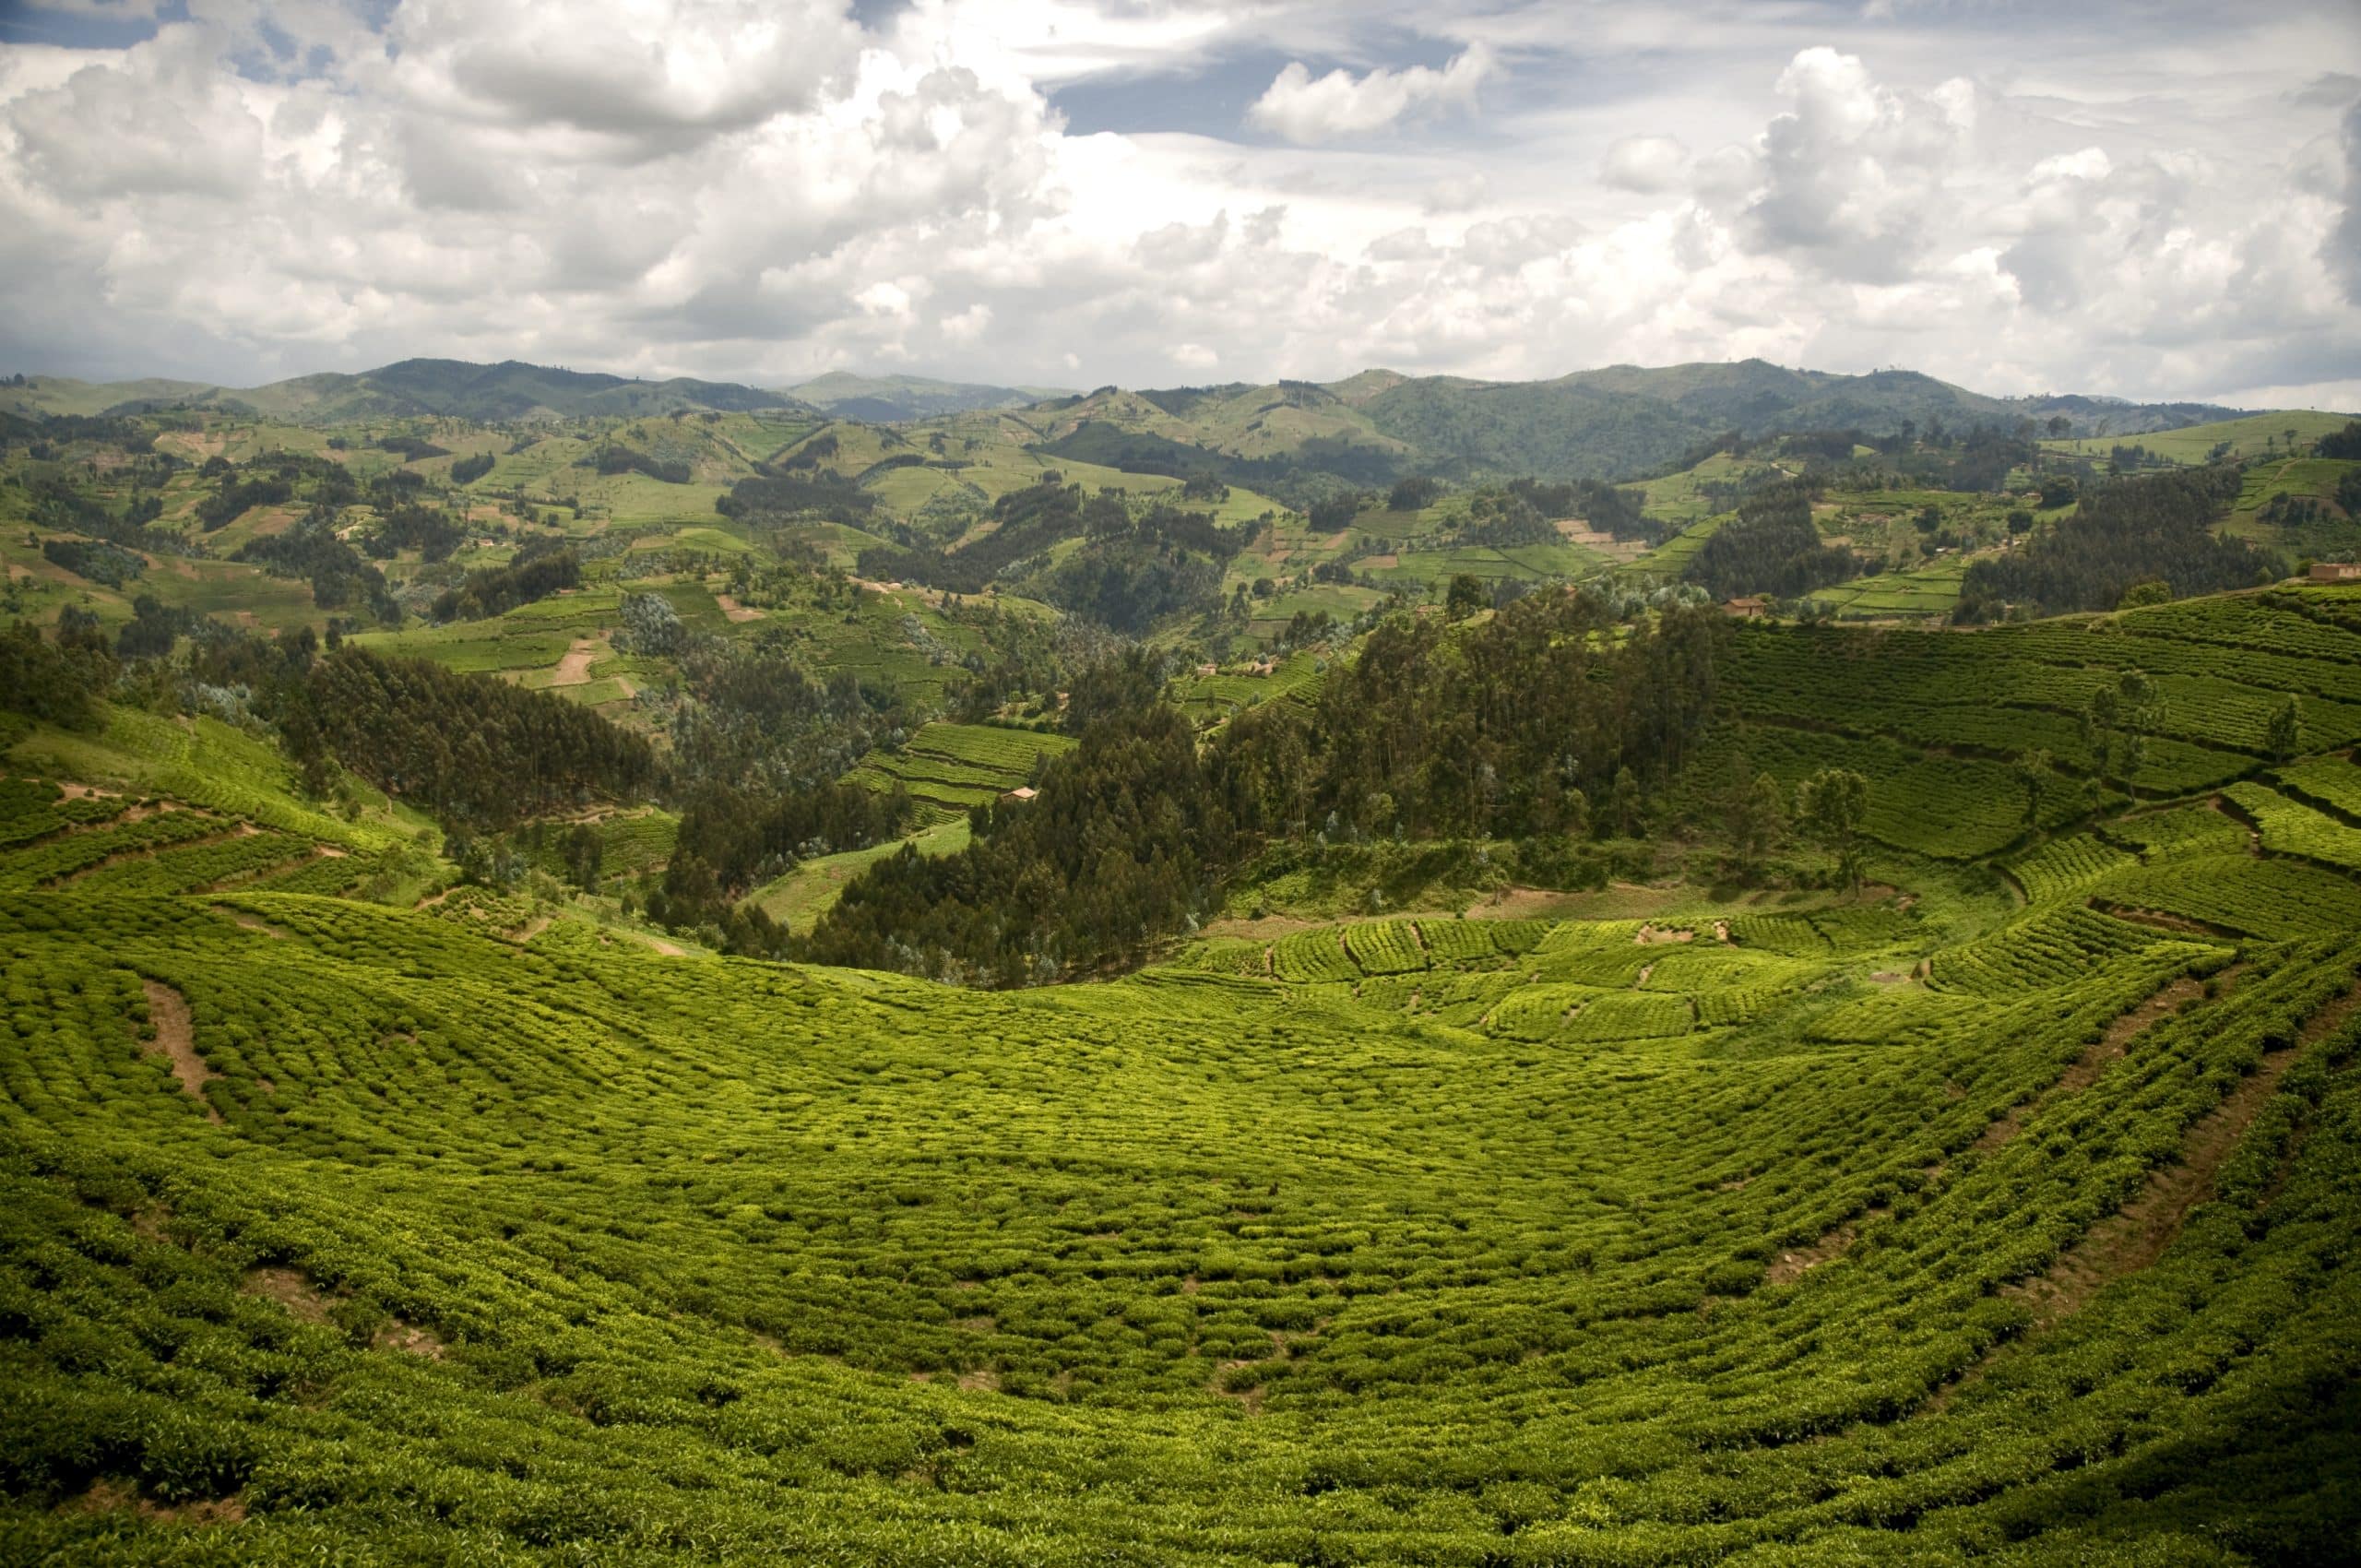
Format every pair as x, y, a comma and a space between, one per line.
1608, 423
890, 399
485, 393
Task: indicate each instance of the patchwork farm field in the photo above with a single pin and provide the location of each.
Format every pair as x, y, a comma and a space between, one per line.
1943, 715
2253, 435
1899, 1227
955, 766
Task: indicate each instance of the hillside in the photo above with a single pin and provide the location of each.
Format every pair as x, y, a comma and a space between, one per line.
1614, 424
2008, 1196
892, 399
1610, 423
455, 388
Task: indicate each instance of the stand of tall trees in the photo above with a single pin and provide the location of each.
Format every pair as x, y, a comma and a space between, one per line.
2125, 531
758, 743
479, 754
495, 591
1500, 728
60, 681
1130, 571
312, 551
1123, 842
1606, 508
1770, 547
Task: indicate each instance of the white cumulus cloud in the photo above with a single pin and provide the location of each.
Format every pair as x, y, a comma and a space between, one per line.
1062, 194
1305, 108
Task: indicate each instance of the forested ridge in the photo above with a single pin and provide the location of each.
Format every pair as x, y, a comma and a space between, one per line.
1508, 727
480, 753
2124, 531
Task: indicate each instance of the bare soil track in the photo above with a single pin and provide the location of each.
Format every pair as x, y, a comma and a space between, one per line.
176, 1042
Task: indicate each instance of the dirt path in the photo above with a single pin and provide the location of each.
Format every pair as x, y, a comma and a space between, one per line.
574, 670
149, 852
2137, 1235
2085, 1069
250, 921
176, 1042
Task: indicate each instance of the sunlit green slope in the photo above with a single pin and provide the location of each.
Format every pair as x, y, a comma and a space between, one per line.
1904, 1228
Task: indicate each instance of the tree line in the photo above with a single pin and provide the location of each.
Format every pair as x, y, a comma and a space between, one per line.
479, 754
542, 568
1770, 547
1506, 727
2125, 532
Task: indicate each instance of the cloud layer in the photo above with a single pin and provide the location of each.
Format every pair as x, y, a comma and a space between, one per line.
768, 188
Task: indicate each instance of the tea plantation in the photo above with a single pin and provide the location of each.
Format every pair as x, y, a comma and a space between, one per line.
2007, 1219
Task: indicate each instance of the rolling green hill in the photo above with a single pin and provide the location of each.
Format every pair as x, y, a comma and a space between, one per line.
510, 390
2006, 1203
1610, 423
897, 398
1615, 422
2246, 436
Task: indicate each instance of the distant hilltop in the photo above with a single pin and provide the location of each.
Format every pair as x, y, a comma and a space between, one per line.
1367, 428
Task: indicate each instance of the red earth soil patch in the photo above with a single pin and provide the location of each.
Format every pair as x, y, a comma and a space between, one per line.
2136, 1236
108, 1496
290, 1289
1788, 1267
574, 670
2085, 1069
176, 1042
251, 923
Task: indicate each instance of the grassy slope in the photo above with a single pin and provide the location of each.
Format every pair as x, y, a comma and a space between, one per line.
1386, 1242
2249, 438
803, 894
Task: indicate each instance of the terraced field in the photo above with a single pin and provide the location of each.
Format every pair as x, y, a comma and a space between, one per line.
1941, 716
1210, 698
955, 766
1928, 594
1433, 1240
2005, 1213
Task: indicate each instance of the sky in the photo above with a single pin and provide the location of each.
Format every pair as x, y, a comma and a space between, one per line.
2151, 201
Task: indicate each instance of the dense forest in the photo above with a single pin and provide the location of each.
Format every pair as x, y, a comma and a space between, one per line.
778, 497
2125, 531
1770, 547
542, 568
1505, 727
480, 753
1609, 510
312, 551
406, 525
1133, 569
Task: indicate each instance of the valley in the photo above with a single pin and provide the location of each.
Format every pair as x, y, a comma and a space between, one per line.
1381, 972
